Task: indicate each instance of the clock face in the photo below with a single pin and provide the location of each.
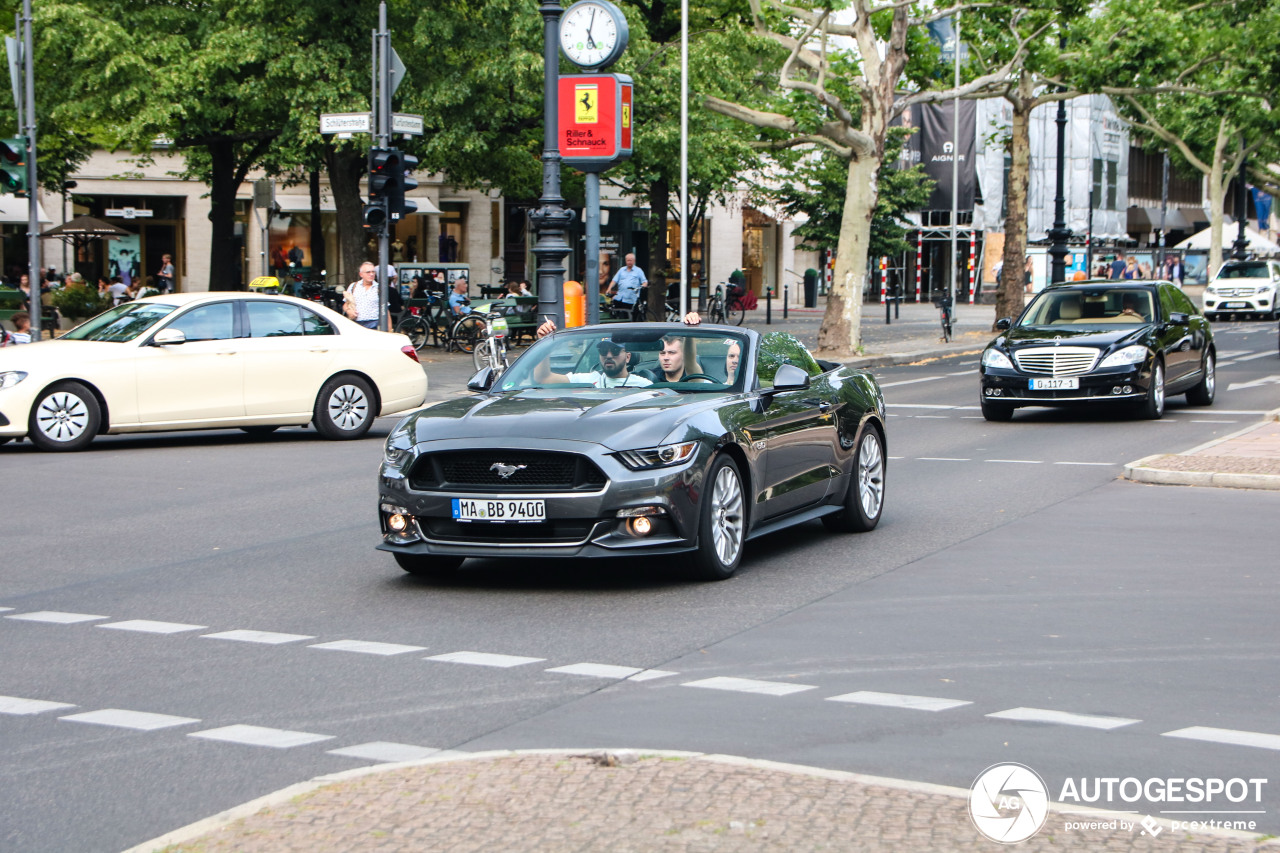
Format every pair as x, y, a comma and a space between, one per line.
593, 33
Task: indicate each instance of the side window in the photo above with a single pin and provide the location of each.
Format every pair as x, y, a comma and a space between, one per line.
1166, 301
273, 319
208, 322
779, 348
314, 324
1183, 303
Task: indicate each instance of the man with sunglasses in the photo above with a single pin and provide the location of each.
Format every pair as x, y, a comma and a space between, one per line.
614, 371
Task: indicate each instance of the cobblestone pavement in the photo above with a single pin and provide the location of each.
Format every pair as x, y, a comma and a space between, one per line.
550, 802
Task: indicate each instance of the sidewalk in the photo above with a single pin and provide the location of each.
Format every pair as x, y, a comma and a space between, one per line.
555, 800
1248, 459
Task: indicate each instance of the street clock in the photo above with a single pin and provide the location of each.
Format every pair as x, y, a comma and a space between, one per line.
593, 34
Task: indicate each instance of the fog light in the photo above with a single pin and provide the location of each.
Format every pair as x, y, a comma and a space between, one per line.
398, 523
996, 392
1115, 389
1128, 389
641, 526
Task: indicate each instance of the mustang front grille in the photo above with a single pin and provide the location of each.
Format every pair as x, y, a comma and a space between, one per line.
1057, 361
497, 470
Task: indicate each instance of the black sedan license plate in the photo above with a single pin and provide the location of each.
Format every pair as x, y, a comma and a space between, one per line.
504, 510
1055, 384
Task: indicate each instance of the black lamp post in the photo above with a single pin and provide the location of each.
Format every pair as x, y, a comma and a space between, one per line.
1242, 214
551, 220
1059, 232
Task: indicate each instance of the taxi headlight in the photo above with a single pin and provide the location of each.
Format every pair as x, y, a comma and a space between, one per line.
11, 377
662, 456
995, 358
1124, 357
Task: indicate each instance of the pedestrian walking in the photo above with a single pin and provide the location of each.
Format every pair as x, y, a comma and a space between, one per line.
360, 301
164, 278
626, 283
1118, 266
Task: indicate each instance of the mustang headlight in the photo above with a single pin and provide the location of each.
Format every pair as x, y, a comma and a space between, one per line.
1124, 357
662, 456
995, 358
11, 377
397, 452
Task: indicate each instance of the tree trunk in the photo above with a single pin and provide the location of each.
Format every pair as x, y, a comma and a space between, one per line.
1218, 182
1010, 293
224, 257
345, 168
317, 227
659, 199
841, 332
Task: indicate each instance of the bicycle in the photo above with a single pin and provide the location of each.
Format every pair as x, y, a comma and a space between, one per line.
426, 321
733, 311
491, 350
945, 306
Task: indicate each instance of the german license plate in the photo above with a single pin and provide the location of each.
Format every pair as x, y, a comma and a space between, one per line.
501, 510
1235, 305
1057, 383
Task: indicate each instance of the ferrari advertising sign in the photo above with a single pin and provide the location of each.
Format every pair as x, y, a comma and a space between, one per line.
595, 120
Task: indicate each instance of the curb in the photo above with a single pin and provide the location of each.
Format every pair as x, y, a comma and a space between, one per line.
1146, 470
218, 821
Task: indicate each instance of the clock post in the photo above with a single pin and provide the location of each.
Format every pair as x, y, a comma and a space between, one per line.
551, 220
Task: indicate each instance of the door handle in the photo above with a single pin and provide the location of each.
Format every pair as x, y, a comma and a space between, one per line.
225, 352
319, 349
824, 406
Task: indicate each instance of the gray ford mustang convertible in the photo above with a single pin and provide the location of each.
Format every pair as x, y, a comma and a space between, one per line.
636, 439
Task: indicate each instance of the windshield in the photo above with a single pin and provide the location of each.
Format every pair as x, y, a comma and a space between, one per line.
1105, 307
680, 358
1256, 269
122, 323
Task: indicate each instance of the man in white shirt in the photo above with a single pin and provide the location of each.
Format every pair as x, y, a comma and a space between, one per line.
614, 370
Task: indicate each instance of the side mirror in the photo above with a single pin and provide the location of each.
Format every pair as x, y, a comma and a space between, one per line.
482, 381
168, 338
1004, 324
790, 378
1179, 319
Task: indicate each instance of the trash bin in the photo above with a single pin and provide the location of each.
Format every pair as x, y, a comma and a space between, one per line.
810, 288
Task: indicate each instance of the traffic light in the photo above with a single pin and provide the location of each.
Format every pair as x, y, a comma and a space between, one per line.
375, 215
13, 166
389, 180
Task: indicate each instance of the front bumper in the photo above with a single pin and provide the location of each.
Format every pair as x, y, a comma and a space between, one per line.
1261, 303
1014, 388
577, 523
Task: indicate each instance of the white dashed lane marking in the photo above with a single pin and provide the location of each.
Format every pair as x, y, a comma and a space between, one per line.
1233, 737
899, 700
270, 638
367, 648
1064, 718
910, 381
137, 720
942, 459
56, 617
5, 609
750, 685
1109, 464
597, 670
1016, 461
385, 751
485, 659
261, 736
22, 707
147, 626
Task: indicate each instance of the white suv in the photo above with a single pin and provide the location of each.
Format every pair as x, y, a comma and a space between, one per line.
1244, 287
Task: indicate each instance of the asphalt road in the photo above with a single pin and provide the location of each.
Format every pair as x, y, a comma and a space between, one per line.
1012, 570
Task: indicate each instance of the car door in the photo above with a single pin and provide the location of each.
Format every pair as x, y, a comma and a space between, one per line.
799, 430
1180, 360
200, 380
287, 352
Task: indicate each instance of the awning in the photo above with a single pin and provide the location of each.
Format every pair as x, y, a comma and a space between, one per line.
302, 203
13, 210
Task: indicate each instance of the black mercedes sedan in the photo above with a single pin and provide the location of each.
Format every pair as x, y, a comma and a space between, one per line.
636, 439
1130, 343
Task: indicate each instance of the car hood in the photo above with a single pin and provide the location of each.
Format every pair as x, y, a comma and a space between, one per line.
1047, 336
47, 354
620, 420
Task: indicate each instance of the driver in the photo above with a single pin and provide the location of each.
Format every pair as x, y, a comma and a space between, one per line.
614, 371
1131, 309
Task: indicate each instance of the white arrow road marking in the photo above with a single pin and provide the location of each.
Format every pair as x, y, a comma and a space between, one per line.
1273, 379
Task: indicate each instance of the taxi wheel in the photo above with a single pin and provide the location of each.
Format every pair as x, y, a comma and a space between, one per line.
344, 409
428, 565
864, 500
65, 417
723, 526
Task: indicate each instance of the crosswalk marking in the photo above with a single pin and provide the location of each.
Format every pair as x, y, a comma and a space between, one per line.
5, 609
368, 648
270, 638
385, 751
1042, 715
650, 674
1233, 737
899, 700
137, 720
485, 659
57, 617
750, 685
597, 670
149, 627
260, 736
22, 707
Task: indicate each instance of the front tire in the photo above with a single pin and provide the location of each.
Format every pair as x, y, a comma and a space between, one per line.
1202, 393
344, 409
1152, 406
428, 565
65, 417
482, 357
722, 527
864, 499
467, 333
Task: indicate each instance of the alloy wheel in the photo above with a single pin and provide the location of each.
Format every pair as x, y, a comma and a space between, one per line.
62, 416
870, 475
348, 407
726, 515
